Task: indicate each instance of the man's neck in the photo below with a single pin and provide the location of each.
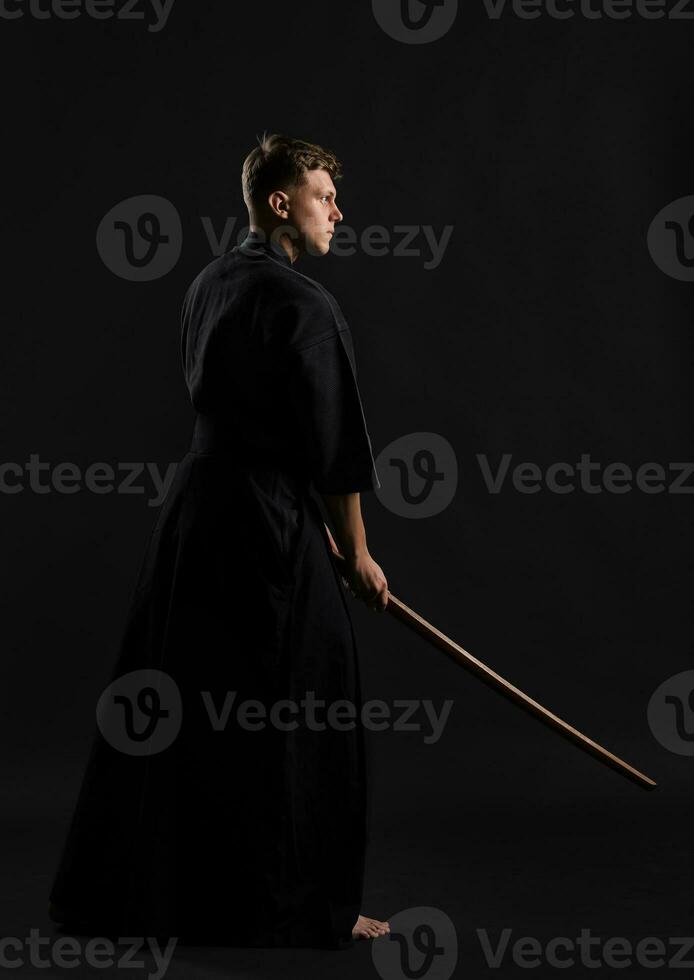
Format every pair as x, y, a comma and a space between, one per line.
278, 237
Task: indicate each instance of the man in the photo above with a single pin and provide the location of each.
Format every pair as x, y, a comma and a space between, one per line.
250, 828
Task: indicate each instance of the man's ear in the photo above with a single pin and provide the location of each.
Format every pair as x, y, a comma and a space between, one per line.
279, 204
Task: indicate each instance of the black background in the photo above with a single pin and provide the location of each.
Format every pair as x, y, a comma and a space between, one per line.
547, 331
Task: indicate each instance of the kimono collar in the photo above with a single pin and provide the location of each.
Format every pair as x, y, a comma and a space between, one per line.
256, 242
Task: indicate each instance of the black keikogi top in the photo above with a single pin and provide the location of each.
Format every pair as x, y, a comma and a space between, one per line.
269, 362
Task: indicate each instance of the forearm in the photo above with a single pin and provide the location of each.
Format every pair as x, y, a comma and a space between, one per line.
348, 525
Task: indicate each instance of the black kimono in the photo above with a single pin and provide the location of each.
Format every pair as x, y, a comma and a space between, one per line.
234, 832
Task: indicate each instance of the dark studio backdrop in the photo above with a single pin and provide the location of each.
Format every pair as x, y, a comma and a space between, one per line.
550, 325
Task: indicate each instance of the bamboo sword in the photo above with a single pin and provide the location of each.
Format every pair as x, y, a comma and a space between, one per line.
414, 621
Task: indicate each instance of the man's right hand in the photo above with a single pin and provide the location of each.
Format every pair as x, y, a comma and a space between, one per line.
366, 581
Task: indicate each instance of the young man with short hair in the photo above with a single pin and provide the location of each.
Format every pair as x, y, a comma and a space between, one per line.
250, 829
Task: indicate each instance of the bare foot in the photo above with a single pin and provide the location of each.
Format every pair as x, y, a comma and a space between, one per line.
366, 928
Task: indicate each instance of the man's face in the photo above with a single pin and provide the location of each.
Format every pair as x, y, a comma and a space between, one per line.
313, 212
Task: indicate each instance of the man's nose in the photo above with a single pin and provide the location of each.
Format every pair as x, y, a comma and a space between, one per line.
337, 214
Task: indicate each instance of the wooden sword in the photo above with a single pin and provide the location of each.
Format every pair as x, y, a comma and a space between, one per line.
414, 621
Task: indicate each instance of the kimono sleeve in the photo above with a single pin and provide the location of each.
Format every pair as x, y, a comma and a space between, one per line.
327, 408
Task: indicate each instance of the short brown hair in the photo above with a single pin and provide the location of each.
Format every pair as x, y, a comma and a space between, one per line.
279, 162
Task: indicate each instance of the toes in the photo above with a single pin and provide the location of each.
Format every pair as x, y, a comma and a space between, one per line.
369, 928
